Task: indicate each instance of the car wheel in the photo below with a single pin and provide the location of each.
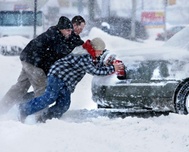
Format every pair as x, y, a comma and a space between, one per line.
181, 97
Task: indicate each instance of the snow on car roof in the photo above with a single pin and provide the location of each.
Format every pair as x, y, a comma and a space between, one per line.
180, 39
174, 48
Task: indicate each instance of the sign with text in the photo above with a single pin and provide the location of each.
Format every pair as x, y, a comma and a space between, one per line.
172, 2
153, 18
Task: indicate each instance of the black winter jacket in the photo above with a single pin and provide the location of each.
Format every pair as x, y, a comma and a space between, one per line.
48, 47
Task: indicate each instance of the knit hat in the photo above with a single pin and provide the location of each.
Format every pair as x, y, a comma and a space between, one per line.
98, 44
64, 23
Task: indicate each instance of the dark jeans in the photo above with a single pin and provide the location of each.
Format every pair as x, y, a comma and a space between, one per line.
57, 92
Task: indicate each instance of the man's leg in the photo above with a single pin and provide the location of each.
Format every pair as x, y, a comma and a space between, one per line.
60, 107
37, 78
15, 93
39, 103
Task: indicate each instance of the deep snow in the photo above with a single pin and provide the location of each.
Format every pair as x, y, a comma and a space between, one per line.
81, 129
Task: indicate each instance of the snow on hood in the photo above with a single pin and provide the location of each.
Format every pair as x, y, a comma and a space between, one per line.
180, 39
158, 53
175, 48
113, 43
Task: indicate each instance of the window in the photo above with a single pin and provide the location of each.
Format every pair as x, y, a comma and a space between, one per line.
20, 23
16, 18
10, 18
28, 18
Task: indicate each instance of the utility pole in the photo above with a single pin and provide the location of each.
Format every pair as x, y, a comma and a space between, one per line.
35, 18
133, 20
142, 4
165, 19
80, 7
106, 8
91, 6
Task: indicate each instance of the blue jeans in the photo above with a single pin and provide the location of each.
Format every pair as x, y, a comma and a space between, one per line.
57, 92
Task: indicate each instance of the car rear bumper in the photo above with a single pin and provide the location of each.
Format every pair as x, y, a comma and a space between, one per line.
153, 96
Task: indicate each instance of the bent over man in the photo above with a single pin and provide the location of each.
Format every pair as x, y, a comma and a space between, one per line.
63, 77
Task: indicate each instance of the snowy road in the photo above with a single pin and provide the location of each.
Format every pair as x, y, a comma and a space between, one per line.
83, 130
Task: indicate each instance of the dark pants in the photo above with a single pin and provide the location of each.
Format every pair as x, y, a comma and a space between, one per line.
57, 92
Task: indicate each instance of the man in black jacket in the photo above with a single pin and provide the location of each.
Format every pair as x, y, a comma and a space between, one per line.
38, 56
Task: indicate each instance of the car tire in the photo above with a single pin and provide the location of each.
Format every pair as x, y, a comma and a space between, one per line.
181, 97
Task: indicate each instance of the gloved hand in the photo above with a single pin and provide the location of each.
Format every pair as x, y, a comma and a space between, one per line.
120, 69
109, 59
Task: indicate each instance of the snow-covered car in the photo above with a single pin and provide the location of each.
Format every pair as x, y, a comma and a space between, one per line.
170, 32
12, 45
119, 26
156, 79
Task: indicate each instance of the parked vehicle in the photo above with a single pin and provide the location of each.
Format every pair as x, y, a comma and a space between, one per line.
119, 26
12, 45
170, 32
156, 79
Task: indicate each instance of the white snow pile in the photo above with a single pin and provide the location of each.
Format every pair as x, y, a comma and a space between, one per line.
12, 45
81, 129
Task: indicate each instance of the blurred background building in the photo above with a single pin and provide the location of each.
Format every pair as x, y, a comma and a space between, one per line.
150, 13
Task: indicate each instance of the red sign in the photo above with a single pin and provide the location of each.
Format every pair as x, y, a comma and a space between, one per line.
153, 19
172, 2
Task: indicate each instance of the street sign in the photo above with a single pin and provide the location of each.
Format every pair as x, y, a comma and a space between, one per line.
153, 18
171, 2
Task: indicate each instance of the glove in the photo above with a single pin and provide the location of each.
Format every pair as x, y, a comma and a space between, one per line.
107, 58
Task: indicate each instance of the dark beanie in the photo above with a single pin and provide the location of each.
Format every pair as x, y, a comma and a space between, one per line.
64, 23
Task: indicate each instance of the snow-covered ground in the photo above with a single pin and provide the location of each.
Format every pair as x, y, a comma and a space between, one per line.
81, 129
